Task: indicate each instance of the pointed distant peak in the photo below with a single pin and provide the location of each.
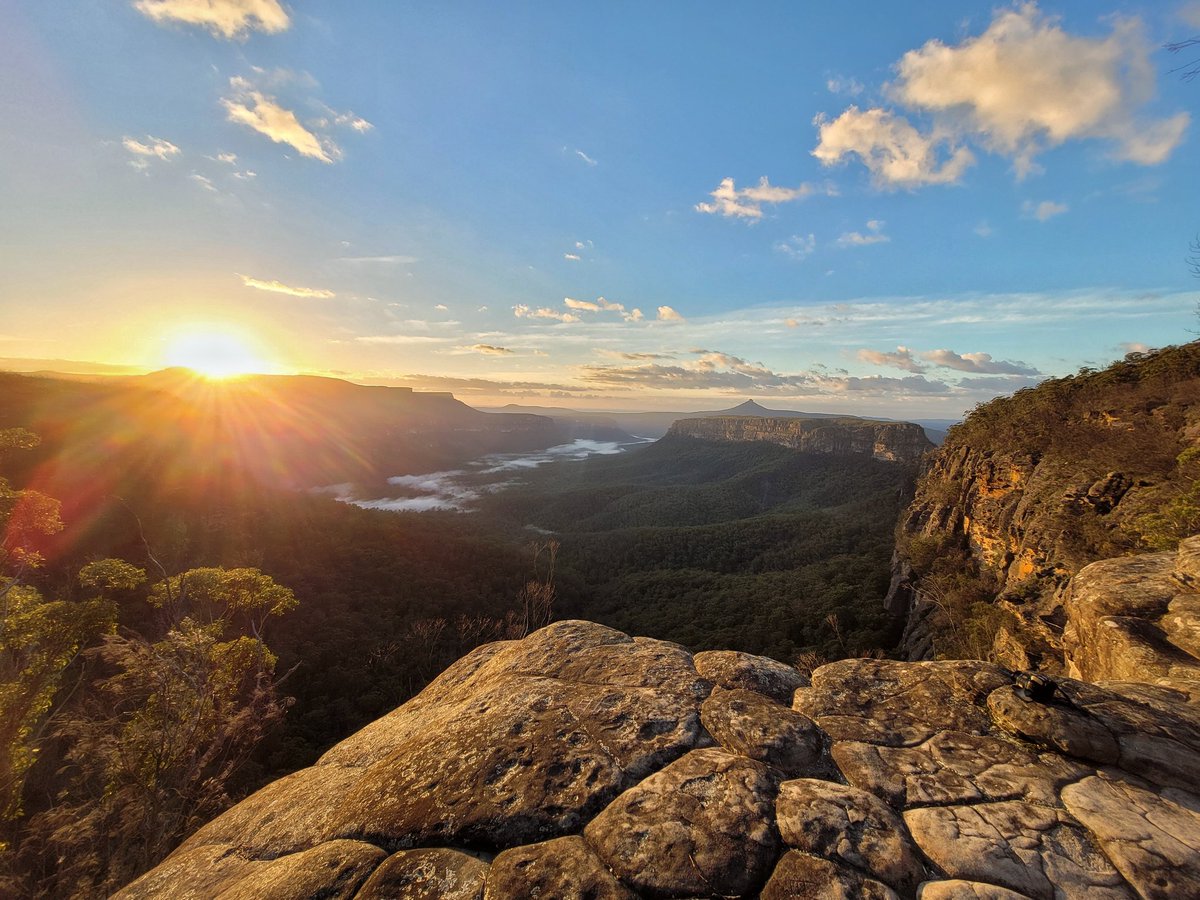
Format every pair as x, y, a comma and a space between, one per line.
749, 408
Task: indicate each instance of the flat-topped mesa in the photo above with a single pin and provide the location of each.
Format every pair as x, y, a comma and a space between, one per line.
580, 762
889, 441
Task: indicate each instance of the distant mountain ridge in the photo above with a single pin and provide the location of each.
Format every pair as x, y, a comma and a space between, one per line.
888, 441
657, 424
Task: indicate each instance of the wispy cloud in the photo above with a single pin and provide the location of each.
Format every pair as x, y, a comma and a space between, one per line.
798, 247
574, 257
524, 311
400, 339
204, 182
491, 350
840, 85
1047, 209
226, 18
333, 118
397, 259
873, 235
278, 287
151, 148
747, 203
902, 358
262, 113
587, 159
980, 363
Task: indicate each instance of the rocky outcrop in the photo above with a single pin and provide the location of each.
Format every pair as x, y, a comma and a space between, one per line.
890, 441
1036, 487
580, 762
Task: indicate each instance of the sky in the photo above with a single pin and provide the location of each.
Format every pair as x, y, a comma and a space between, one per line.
872, 208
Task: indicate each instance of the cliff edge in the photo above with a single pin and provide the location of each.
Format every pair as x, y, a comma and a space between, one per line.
580, 762
890, 441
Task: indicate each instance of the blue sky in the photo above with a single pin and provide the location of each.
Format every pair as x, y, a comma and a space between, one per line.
823, 206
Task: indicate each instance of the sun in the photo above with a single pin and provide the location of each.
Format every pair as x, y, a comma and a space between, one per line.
215, 353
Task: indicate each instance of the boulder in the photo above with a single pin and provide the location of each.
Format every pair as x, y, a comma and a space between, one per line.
848, 826
733, 670
800, 875
564, 867
703, 825
749, 724
431, 874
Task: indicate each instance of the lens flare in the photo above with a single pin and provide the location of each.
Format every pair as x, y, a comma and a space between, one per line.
215, 353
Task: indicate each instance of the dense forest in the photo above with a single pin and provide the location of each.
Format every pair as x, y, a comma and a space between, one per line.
279, 620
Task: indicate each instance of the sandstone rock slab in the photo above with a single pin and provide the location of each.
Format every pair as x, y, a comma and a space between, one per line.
428, 874
953, 767
563, 867
1154, 842
701, 826
899, 704
733, 670
1034, 850
515, 767
288, 815
332, 870
749, 724
957, 889
849, 826
798, 875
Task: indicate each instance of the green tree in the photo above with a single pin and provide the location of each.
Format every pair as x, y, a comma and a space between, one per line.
39, 638
154, 749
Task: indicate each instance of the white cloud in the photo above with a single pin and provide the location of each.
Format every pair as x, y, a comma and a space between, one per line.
490, 350
1047, 209
593, 306
731, 374
441, 307
983, 229
587, 159
256, 110
572, 256
799, 247
399, 339
227, 158
747, 203
205, 183
278, 287
874, 235
666, 314
840, 85
523, 311
634, 315
894, 151
152, 148
393, 259
227, 18
902, 358
979, 363
1025, 84
1136, 346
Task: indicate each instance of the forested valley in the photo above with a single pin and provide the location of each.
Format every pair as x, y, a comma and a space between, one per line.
173, 642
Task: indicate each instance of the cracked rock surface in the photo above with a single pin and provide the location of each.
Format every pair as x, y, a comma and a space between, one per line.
582, 763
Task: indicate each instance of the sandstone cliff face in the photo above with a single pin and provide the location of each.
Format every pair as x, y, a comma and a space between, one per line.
1039, 485
580, 762
890, 441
